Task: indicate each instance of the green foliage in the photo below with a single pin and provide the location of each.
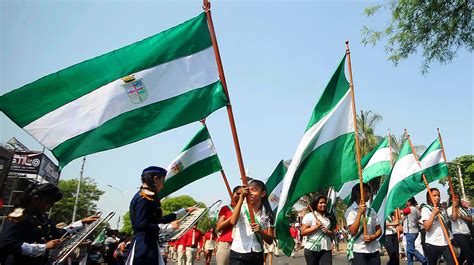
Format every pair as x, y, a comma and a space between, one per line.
127, 225
438, 28
172, 204
88, 196
466, 163
366, 122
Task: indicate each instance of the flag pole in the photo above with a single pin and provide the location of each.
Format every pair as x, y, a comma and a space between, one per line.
351, 85
445, 232
203, 121
451, 189
207, 8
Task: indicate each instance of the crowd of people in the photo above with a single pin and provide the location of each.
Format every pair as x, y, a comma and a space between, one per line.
423, 233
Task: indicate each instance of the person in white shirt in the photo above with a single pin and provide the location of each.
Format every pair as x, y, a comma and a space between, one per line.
436, 244
391, 243
248, 238
461, 220
318, 226
362, 249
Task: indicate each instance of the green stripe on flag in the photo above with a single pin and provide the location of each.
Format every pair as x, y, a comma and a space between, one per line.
276, 176
143, 122
201, 136
57, 89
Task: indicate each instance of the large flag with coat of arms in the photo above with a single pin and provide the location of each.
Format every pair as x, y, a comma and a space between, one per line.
154, 85
197, 160
326, 154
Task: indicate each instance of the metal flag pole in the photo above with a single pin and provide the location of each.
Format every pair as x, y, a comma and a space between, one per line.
207, 8
440, 219
361, 184
78, 190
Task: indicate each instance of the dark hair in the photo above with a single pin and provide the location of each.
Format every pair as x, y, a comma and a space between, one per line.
45, 191
236, 188
265, 202
428, 198
355, 193
148, 174
329, 215
451, 199
412, 201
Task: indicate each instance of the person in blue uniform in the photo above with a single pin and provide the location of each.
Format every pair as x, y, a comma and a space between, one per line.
148, 221
28, 234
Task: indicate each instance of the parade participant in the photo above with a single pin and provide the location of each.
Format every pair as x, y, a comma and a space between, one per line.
224, 225
362, 249
146, 216
192, 237
391, 239
295, 235
181, 250
461, 220
28, 233
410, 231
247, 244
209, 243
318, 226
436, 244
268, 250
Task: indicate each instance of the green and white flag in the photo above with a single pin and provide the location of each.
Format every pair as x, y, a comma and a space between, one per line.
157, 84
326, 154
397, 189
197, 160
332, 197
376, 163
275, 183
100, 237
433, 163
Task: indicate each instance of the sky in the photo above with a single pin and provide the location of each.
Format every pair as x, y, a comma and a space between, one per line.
277, 57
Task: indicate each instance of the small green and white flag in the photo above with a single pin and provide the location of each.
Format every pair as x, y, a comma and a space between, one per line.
375, 164
197, 160
325, 155
100, 237
332, 197
275, 183
397, 188
157, 84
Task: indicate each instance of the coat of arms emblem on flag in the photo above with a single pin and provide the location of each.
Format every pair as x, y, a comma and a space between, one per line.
176, 167
135, 89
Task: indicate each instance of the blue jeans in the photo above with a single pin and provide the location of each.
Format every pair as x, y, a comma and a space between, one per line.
411, 251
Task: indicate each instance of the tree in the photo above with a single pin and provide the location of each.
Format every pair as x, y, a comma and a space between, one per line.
438, 28
366, 122
466, 163
127, 225
86, 206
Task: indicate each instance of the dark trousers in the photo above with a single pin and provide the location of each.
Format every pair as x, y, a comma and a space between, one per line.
391, 245
366, 258
322, 257
411, 251
465, 243
433, 253
251, 258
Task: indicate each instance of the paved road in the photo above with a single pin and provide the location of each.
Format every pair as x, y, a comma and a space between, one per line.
339, 258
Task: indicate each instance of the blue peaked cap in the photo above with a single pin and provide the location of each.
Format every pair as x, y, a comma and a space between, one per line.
155, 169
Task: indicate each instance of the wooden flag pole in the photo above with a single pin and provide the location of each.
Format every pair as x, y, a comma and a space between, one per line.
451, 189
207, 8
351, 85
203, 121
440, 219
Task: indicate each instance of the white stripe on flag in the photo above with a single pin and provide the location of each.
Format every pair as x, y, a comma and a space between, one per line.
405, 166
274, 196
193, 155
383, 154
90, 111
433, 158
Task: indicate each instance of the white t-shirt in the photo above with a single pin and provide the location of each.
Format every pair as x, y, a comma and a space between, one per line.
244, 240
435, 235
318, 236
372, 221
460, 226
